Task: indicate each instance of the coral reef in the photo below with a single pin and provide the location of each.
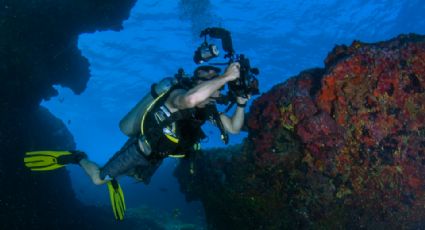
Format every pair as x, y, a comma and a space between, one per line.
332, 147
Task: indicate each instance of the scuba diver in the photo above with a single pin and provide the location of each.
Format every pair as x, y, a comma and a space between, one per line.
167, 121
170, 127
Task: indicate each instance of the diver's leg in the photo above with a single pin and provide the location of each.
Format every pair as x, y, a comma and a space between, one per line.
124, 161
92, 170
130, 160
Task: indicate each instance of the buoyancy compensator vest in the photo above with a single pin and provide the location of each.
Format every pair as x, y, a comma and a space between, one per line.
184, 121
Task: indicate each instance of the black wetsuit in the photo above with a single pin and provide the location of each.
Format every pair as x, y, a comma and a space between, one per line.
167, 134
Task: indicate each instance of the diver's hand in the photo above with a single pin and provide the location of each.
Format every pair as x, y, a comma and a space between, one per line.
232, 71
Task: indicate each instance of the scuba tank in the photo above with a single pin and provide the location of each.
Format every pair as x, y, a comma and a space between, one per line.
130, 125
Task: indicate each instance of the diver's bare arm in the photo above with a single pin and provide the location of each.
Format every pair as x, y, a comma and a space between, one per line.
233, 124
180, 99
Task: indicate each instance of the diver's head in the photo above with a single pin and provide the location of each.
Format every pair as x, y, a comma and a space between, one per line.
205, 73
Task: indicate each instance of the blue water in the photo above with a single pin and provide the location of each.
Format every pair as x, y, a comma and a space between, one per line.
282, 38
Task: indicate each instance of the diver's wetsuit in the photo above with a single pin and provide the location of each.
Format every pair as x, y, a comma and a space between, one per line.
126, 160
167, 133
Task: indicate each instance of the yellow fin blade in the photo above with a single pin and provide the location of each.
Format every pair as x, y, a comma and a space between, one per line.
116, 196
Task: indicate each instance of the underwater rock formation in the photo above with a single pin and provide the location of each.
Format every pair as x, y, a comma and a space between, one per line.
342, 146
38, 45
38, 48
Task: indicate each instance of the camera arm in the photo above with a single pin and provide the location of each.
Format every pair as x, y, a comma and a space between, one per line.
247, 83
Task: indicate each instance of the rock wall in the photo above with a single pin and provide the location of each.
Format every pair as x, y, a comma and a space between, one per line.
339, 146
38, 48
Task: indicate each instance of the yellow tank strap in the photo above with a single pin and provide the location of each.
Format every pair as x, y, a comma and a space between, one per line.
142, 124
177, 155
196, 146
173, 139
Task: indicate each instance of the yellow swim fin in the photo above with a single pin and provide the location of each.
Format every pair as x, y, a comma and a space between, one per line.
51, 160
117, 199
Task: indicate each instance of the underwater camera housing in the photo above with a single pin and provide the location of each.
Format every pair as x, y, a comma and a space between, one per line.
247, 84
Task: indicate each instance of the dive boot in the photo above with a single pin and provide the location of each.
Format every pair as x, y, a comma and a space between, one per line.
117, 199
51, 160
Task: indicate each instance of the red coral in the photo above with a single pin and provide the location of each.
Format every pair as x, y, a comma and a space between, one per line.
322, 129
355, 145
327, 94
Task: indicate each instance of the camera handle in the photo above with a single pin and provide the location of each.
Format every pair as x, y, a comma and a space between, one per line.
224, 35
